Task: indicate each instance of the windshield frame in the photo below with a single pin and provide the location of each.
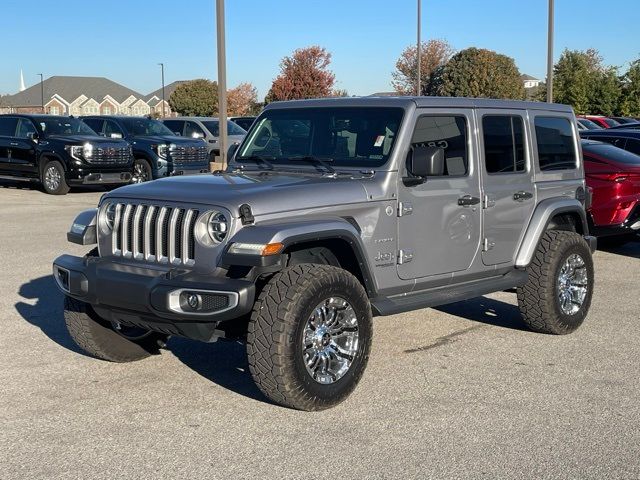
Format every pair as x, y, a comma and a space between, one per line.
126, 122
293, 161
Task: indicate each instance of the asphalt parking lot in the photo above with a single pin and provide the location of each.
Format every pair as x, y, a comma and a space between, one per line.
461, 391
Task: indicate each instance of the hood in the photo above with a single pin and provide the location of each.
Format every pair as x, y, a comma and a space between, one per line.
94, 139
170, 139
264, 192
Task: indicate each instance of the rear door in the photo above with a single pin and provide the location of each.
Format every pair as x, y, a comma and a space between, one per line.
508, 196
8, 127
439, 224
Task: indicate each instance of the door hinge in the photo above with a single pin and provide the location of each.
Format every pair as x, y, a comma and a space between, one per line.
404, 208
488, 202
405, 256
488, 244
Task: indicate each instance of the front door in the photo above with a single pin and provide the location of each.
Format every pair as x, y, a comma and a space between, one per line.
508, 193
23, 151
439, 220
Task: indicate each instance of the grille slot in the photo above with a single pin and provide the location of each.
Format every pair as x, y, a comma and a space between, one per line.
155, 234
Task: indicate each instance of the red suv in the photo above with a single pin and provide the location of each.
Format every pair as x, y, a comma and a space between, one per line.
604, 122
613, 175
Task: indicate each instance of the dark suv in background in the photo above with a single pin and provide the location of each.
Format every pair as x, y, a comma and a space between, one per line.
157, 150
59, 152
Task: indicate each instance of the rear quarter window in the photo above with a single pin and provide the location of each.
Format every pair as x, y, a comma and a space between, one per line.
556, 145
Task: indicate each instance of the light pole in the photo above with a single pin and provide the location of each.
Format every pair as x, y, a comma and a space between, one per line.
418, 50
163, 101
550, 54
41, 91
222, 83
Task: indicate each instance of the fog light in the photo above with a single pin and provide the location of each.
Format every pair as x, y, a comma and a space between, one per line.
191, 301
61, 276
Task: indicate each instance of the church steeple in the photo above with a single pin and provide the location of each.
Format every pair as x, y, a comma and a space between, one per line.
22, 87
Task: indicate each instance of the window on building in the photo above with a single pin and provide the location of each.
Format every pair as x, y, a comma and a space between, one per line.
106, 110
503, 143
54, 110
556, 146
448, 132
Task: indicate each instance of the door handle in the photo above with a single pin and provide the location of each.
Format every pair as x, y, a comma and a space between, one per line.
521, 196
468, 200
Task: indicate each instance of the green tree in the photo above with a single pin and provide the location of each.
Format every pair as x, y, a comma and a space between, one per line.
605, 91
305, 74
433, 54
476, 72
195, 98
572, 80
630, 95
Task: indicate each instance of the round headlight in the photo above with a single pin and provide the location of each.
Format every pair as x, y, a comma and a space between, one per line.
108, 217
217, 226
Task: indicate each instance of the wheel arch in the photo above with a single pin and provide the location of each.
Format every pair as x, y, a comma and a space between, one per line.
46, 157
340, 236
552, 213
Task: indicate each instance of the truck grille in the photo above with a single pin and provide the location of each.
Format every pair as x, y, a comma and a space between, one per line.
110, 156
155, 234
189, 154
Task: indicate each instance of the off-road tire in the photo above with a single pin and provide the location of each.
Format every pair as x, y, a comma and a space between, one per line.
276, 329
538, 298
62, 188
98, 338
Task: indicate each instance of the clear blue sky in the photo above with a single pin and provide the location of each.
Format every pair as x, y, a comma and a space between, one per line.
124, 39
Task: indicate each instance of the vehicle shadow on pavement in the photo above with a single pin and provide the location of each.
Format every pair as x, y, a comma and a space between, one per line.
46, 312
487, 310
223, 363
630, 249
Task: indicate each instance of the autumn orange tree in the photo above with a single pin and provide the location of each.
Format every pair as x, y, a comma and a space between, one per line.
305, 74
242, 100
433, 54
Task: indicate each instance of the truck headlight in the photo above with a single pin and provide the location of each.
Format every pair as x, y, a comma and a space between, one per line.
80, 152
163, 150
107, 218
217, 226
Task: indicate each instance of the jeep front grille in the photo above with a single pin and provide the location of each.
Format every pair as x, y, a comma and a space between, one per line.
186, 155
110, 156
154, 234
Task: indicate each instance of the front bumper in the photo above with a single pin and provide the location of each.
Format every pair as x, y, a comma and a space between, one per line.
99, 176
154, 298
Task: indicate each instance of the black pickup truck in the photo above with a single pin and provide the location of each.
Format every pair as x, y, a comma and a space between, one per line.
157, 150
61, 151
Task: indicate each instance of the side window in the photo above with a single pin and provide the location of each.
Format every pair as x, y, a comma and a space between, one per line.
176, 126
556, 148
111, 127
193, 130
25, 127
8, 126
448, 132
503, 143
95, 124
633, 146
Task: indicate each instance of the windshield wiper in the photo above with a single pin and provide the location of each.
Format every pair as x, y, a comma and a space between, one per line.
259, 159
315, 161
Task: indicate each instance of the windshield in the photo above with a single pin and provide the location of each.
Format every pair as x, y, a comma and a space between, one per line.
343, 136
145, 127
610, 122
609, 152
588, 124
232, 129
64, 126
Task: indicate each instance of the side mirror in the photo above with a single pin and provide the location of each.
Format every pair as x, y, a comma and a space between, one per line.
116, 135
197, 135
33, 136
425, 162
232, 150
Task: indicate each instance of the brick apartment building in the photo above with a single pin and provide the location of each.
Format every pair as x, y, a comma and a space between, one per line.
87, 96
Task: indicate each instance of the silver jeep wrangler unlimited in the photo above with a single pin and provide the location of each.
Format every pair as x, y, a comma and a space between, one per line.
331, 212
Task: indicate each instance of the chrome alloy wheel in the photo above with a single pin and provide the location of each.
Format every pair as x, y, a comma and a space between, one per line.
140, 173
330, 340
572, 284
52, 178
